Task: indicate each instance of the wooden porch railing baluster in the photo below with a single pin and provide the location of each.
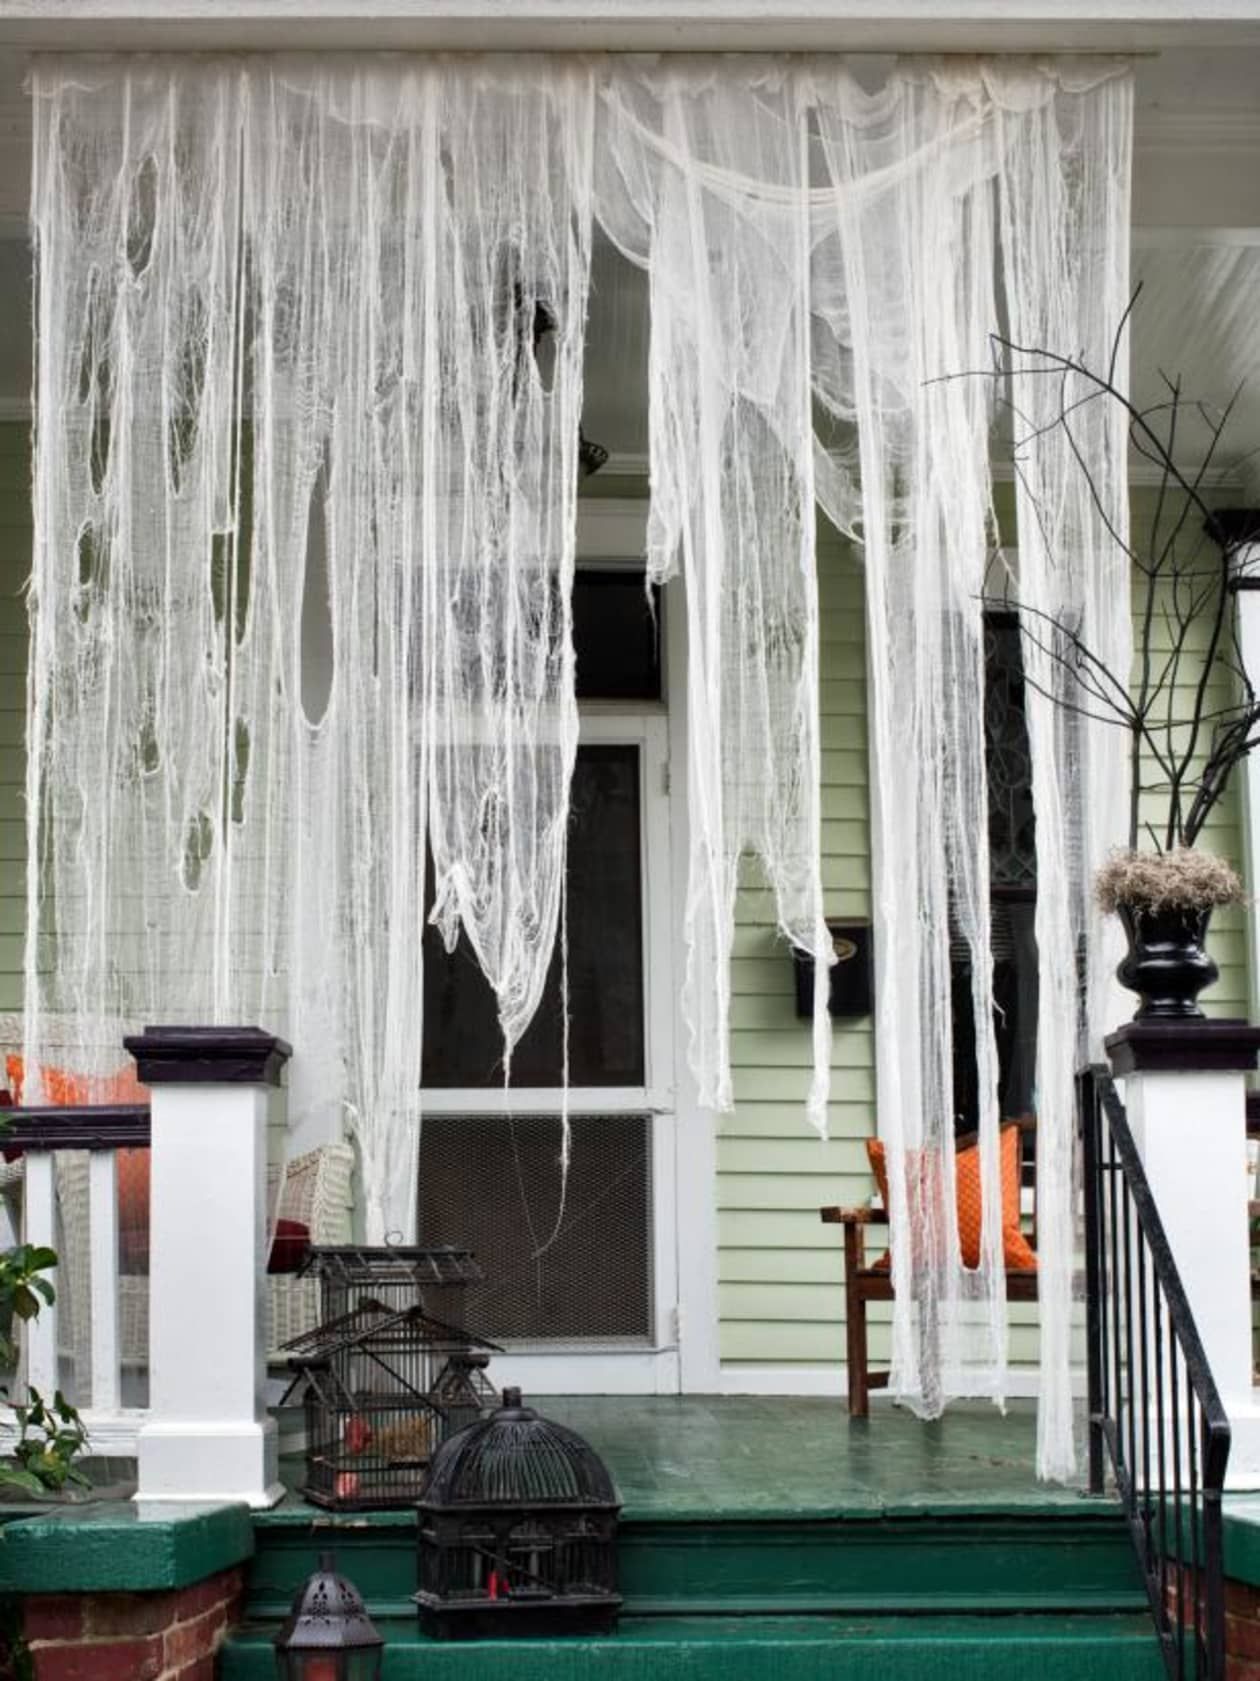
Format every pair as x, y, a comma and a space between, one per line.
106, 1393
39, 1226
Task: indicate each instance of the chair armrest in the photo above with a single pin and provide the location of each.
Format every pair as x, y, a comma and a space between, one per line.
861, 1216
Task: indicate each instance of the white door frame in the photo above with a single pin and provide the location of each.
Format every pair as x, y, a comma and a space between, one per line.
655, 1368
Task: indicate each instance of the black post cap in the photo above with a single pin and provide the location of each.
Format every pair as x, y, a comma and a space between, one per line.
208, 1056
1203, 1046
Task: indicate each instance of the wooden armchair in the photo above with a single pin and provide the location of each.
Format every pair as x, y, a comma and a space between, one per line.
865, 1283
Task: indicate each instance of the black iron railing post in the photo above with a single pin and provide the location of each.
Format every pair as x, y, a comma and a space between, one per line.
1087, 1098
1145, 1356
1213, 1575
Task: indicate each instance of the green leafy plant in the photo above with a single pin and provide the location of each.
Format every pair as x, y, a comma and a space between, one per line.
23, 1289
51, 1434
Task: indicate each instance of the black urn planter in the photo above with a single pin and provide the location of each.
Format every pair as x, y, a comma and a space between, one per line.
1166, 964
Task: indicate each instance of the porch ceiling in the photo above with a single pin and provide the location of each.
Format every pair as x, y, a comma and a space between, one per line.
1196, 171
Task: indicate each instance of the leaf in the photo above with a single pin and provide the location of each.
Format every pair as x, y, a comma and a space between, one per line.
10, 1477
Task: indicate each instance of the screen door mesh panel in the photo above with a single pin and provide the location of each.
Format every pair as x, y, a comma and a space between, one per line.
580, 1276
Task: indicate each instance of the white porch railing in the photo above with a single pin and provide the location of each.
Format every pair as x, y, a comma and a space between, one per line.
205, 1434
87, 1279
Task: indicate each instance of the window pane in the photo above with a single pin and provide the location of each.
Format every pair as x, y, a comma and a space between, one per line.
462, 1043
1013, 889
616, 636
573, 1271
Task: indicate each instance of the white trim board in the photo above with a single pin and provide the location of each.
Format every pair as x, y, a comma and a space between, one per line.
730, 25
648, 1371
110, 1435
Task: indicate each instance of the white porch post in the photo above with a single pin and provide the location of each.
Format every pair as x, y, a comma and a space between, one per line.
1239, 532
208, 1436
1184, 1090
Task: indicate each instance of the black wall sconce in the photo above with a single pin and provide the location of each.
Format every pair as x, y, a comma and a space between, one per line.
852, 974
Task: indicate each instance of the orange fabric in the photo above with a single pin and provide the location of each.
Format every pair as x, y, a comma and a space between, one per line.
69, 1091
1017, 1252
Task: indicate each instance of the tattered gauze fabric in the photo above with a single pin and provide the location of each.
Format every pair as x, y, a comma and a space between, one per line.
287, 330
305, 508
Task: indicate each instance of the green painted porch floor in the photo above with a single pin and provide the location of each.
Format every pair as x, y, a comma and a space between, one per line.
749, 1457
743, 1457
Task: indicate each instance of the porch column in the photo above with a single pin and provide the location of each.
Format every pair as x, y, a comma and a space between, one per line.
208, 1436
1185, 1093
1238, 530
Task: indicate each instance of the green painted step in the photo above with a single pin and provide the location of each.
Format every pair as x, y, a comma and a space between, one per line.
1078, 1559
993, 1648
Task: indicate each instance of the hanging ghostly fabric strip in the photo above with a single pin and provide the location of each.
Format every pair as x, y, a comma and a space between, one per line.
904, 289
426, 242
703, 179
904, 286
136, 213
306, 479
1065, 236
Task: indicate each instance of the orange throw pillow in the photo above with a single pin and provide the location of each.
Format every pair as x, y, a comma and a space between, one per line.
1017, 1252
68, 1091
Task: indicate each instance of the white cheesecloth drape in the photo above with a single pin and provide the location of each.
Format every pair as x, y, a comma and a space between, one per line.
310, 355
287, 350
967, 195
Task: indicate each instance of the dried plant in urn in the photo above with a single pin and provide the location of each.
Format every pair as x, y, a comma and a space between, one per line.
1187, 705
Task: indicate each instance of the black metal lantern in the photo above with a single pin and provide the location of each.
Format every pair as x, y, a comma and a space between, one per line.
328, 1635
518, 1531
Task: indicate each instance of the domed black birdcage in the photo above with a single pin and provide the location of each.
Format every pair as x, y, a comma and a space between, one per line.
518, 1531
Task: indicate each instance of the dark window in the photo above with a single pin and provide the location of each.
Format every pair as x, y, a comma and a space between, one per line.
616, 636
462, 1043
1013, 895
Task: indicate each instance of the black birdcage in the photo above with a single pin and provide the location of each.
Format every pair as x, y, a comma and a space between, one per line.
518, 1531
395, 1275
369, 1383
462, 1391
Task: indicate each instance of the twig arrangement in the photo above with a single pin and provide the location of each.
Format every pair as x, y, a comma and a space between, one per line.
1171, 707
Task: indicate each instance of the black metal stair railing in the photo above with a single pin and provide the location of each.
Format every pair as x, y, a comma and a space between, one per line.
1155, 1417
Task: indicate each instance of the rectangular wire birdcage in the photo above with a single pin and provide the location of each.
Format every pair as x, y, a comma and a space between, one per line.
380, 1390
398, 1276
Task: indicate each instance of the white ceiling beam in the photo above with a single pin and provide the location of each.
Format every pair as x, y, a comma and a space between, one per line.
851, 25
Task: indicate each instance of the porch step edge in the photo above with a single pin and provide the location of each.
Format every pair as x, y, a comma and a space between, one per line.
724, 1648
876, 1567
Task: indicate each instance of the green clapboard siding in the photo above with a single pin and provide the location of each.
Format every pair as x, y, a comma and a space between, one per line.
780, 1270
